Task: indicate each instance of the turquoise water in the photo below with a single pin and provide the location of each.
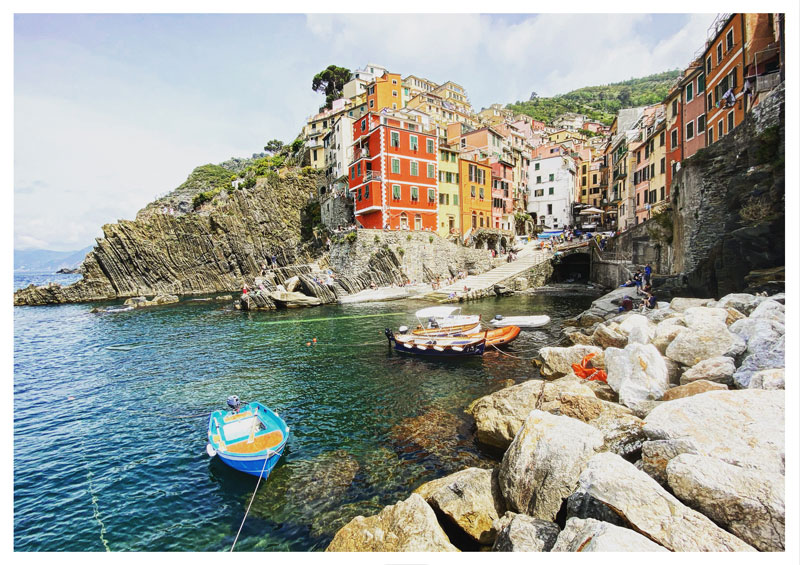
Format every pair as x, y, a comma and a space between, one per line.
110, 420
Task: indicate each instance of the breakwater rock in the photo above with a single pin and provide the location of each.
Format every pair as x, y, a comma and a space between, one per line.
649, 461
212, 247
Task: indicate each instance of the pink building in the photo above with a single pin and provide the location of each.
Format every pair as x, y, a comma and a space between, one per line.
694, 110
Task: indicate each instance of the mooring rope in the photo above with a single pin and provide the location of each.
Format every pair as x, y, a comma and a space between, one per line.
252, 498
509, 355
90, 489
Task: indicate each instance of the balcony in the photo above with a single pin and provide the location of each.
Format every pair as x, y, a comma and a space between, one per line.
372, 176
361, 153
767, 82
620, 174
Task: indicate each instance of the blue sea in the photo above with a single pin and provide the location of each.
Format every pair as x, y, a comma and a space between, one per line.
111, 413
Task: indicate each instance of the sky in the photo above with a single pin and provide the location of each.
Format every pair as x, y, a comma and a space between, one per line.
112, 111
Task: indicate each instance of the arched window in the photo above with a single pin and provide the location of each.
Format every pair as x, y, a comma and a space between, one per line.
404, 221
417, 222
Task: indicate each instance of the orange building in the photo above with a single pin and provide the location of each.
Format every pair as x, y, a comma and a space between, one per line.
393, 174
476, 194
385, 92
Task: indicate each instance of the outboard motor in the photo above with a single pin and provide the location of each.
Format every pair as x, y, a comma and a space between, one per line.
498, 317
234, 404
402, 329
389, 335
432, 323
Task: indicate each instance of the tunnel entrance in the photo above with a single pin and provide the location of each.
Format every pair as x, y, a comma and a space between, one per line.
572, 268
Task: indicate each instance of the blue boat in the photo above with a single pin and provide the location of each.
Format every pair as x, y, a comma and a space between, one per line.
250, 438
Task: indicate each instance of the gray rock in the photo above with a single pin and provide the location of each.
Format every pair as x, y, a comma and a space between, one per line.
770, 310
744, 303
409, 525
542, 464
759, 334
650, 509
557, 361
291, 284
518, 532
716, 369
769, 379
741, 427
638, 373
593, 535
748, 503
470, 498
773, 356
674, 371
682, 304
657, 454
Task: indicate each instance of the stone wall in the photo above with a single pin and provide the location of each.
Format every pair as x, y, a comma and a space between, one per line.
422, 255
336, 211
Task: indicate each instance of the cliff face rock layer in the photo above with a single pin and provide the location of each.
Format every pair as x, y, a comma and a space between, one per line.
212, 248
729, 205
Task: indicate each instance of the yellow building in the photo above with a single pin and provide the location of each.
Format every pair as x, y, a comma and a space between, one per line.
385, 92
563, 135
449, 208
475, 178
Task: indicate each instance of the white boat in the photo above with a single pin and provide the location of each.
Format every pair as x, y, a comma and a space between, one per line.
521, 321
447, 317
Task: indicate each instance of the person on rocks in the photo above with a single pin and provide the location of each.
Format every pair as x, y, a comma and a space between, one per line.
648, 271
627, 304
274, 262
245, 288
637, 280
649, 303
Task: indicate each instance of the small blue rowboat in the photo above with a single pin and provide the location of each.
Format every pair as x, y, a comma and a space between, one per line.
249, 438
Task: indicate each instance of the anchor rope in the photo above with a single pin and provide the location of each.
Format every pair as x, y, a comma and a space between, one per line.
509, 355
91, 490
252, 498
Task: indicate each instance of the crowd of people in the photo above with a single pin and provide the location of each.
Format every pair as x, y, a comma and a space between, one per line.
641, 280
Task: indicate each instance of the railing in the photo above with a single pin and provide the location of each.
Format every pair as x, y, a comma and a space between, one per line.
372, 176
767, 82
361, 154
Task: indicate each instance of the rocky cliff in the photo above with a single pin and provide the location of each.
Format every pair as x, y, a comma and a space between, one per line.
181, 244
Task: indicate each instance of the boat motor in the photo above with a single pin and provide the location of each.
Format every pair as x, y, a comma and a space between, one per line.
402, 329
498, 317
234, 403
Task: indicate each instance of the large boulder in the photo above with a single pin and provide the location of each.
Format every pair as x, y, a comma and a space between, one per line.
744, 303
773, 356
707, 338
683, 304
557, 361
697, 316
770, 310
542, 464
657, 454
471, 500
716, 369
638, 373
645, 506
293, 299
741, 427
694, 387
518, 532
291, 284
770, 379
594, 535
666, 332
409, 525
748, 503
758, 333
499, 416
608, 335
638, 329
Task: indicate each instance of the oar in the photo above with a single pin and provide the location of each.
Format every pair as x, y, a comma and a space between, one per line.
253, 427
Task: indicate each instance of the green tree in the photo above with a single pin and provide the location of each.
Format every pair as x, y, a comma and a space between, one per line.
330, 82
624, 97
274, 146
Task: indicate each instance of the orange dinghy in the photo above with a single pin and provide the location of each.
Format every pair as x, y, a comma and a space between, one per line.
502, 336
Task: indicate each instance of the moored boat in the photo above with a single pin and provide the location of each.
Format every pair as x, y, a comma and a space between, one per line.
497, 337
521, 321
445, 317
250, 438
438, 346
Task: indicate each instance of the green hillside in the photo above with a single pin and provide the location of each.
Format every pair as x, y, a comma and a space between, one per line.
600, 102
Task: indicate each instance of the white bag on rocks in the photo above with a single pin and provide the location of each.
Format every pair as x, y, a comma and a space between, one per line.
638, 373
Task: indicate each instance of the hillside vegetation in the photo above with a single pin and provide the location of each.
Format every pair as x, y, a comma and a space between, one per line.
600, 103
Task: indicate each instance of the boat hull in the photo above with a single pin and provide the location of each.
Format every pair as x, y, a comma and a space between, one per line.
251, 465
521, 321
437, 346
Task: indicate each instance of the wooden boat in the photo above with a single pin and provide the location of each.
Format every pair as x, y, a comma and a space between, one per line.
462, 329
438, 346
497, 337
249, 438
444, 317
521, 321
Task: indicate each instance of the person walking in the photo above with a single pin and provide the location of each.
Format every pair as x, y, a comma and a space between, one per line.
648, 270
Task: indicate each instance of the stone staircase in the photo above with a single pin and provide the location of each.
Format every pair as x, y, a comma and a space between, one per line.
480, 285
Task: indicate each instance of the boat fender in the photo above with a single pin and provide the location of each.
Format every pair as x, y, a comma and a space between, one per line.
210, 450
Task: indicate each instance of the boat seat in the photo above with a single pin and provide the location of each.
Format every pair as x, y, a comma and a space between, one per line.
260, 443
239, 416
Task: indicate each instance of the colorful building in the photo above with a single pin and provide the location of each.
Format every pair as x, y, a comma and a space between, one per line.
502, 195
385, 92
674, 133
693, 110
550, 201
475, 179
393, 174
449, 206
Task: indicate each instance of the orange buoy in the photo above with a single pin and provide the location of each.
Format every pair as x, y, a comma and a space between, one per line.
314, 340
308, 344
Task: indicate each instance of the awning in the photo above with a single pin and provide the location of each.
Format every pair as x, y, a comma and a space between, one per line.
591, 211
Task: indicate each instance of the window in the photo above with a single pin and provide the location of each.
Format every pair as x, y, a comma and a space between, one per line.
396, 166
431, 171
719, 53
550, 190
689, 130
662, 139
413, 142
480, 193
394, 140
701, 124
366, 191
710, 101
472, 191
730, 121
538, 180
710, 135
701, 84
414, 169
481, 220
708, 65
720, 133
663, 192
536, 166
394, 93
663, 165
538, 192
552, 177
729, 40
652, 170
474, 221
417, 222
594, 179
638, 157
358, 169
549, 209
396, 191
674, 138
359, 193
371, 103
430, 145
363, 124
431, 195
689, 92
455, 200
415, 194
652, 196
638, 194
